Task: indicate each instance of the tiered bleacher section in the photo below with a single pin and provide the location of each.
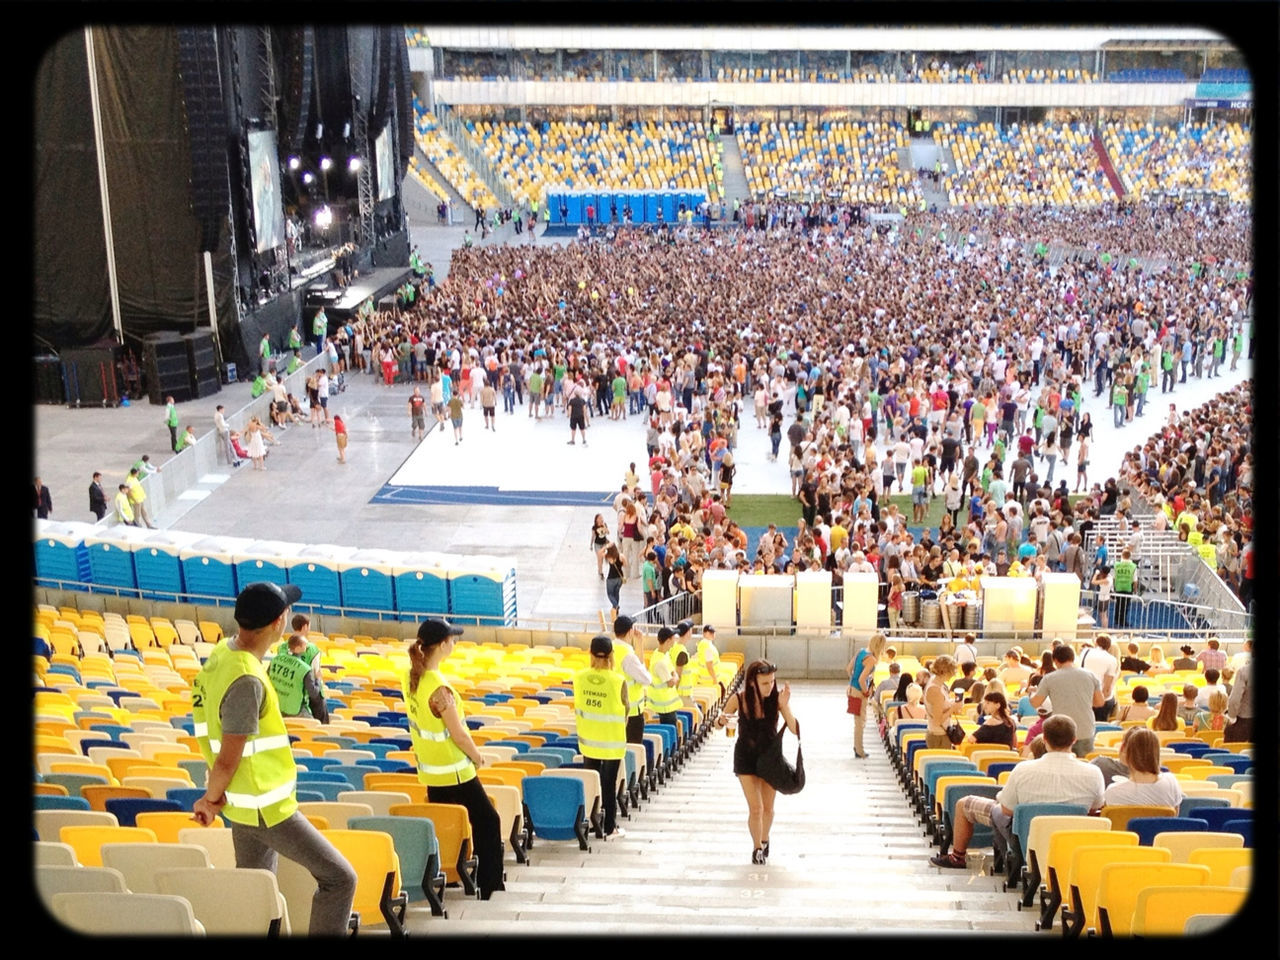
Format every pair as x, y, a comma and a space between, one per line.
424, 177
652, 156
114, 736
856, 161
1226, 75
1048, 857
1147, 75
440, 150
1191, 157
1022, 165
763, 75
1046, 76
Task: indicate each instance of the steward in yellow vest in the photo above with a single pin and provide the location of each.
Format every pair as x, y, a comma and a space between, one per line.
600, 709
447, 756
628, 659
662, 695
252, 777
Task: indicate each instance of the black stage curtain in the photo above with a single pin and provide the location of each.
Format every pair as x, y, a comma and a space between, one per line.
72, 303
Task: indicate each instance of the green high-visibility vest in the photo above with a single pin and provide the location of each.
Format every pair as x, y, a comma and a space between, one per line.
288, 674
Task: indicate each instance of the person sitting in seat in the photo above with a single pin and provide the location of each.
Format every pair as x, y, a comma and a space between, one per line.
1140, 709
1054, 778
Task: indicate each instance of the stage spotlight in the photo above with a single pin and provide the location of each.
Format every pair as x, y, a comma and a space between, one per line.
353, 164
324, 218
308, 177
294, 163
325, 163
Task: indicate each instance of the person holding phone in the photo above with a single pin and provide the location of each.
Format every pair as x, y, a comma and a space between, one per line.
861, 670
757, 708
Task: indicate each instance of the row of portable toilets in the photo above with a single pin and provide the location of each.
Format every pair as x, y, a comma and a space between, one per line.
178, 566
644, 204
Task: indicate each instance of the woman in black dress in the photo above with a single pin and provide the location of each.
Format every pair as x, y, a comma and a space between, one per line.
761, 702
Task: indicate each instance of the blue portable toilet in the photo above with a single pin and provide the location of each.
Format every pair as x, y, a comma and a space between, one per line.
482, 590
367, 584
553, 204
265, 560
602, 211
208, 569
683, 196
157, 564
111, 559
576, 213
421, 584
650, 207
669, 206
60, 554
315, 569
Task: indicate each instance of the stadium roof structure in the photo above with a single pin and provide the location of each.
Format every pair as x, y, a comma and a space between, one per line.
711, 37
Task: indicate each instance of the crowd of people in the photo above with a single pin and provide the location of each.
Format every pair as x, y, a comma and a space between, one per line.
1198, 471
943, 359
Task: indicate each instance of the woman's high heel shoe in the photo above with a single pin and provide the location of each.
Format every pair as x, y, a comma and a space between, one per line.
757, 855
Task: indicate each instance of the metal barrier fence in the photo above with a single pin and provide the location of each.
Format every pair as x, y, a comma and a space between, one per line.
1150, 614
672, 610
183, 470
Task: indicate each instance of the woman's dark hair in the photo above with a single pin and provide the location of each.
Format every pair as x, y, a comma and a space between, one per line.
1002, 711
751, 699
906, 681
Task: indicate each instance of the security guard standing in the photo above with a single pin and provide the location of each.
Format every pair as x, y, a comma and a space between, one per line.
628, 661
252, 778
709, 657
294, 682
447, 756
600, 708
687, 670
663, 697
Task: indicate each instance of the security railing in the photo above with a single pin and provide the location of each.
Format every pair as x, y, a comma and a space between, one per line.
672, 610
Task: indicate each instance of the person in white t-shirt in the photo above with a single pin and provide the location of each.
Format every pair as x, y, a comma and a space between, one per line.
966, 650
1145, 785
1097, 659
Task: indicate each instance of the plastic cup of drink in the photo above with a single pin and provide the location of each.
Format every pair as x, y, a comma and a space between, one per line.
731, 726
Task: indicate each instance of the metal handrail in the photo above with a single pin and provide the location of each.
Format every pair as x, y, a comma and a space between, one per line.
472, 154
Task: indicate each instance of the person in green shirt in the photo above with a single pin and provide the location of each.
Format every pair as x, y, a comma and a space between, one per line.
295, 338
264, 353
1237, 347
455, 414
1219, 354
1119, 401
919, 491
171, 421
1140, 384
319, 328
187, 439
1124, 577
1166, 369
295, 362
618, 411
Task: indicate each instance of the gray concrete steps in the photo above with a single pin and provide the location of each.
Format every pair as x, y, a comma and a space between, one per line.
735, 179
847, 857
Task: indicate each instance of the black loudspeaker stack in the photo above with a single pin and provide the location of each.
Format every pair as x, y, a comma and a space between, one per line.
167, 366
202, 363
89, 375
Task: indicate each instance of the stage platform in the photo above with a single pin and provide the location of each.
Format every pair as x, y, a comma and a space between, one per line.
342, 303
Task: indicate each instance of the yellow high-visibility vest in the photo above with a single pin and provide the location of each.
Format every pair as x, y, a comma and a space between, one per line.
441, 762
265, 781
635, 689
662, 698
600, 714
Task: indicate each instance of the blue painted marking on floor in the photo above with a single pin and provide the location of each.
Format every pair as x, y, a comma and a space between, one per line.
490, 496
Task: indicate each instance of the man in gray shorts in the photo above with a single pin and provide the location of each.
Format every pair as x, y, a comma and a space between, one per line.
252, 778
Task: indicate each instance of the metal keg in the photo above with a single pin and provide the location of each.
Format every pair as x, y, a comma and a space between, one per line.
910, 606
972, 615
931, 615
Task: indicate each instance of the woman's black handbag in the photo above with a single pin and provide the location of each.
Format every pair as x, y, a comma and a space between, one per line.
774, 769
956, 734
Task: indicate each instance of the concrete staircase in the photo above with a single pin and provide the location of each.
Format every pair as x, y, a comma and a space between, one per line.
921, 155
848, 856
461, 210
735, 179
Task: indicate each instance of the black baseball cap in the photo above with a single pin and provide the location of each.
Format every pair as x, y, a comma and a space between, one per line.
665, 633
683, 627
431, 632
601, 646
259, 604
